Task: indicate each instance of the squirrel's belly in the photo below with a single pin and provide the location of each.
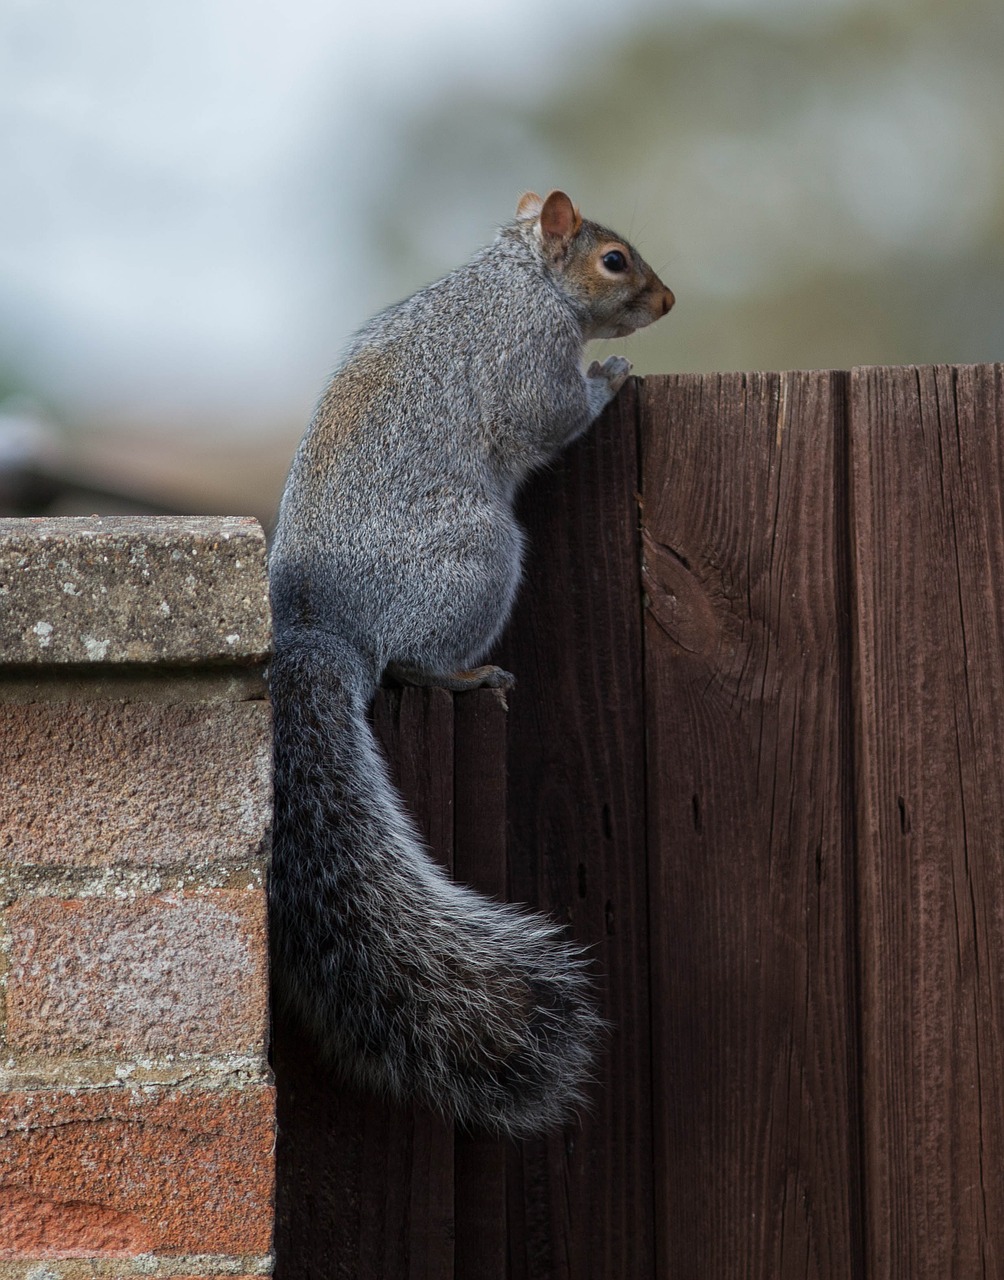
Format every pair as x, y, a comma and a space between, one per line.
427, 585
452, 607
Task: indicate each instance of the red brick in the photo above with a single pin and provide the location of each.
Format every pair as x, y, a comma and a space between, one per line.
94, 783
144, 975
116, 1172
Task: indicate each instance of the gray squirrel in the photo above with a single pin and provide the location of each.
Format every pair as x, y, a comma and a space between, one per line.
397, 550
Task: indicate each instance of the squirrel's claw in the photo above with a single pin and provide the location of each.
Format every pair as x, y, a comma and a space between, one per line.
614, 369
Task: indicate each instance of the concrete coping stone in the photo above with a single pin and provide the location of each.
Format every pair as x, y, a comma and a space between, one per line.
147, 590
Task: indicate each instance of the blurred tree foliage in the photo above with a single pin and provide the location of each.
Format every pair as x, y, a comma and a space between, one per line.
821, 182
822, 187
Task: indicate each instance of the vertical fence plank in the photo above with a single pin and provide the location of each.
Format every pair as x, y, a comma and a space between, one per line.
751, 826
415, 727
365, 1189
580, 1202
928, 466
479, 859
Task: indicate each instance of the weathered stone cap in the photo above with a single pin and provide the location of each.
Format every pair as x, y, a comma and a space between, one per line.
133, 589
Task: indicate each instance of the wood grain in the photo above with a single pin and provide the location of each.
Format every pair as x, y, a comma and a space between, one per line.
751, 827
928, 465
768, 796
580, 1203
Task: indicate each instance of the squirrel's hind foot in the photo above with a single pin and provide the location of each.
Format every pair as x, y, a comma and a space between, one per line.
485, 677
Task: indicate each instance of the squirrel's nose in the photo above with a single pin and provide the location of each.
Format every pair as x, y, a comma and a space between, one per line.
667, 300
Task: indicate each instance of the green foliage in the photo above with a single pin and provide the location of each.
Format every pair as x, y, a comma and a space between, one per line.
818, 188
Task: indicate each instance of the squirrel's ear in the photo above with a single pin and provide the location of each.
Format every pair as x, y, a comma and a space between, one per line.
559, 218
529, 205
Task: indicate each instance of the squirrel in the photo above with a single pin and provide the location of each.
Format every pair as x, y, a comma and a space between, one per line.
396, 551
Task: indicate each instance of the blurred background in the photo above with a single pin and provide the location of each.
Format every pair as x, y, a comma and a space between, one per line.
200, 201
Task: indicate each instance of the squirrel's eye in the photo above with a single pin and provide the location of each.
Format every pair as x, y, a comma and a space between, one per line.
614, 260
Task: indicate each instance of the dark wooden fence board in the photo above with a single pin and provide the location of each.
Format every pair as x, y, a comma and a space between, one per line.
749, 777
580, 1203
365, 1189
782, 839
415, 727
479, 859
928, 466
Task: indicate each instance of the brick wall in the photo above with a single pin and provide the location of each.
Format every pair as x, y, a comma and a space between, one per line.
136, 1108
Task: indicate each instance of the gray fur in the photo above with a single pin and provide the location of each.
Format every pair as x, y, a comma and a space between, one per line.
397, 546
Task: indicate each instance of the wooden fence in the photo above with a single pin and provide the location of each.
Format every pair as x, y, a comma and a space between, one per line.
755, 758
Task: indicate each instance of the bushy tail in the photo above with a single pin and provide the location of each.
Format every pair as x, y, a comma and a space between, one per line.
414, 985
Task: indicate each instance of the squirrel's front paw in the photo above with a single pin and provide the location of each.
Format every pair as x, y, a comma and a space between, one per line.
614, 369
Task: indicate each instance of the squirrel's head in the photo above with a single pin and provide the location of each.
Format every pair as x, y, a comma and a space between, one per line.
617, 291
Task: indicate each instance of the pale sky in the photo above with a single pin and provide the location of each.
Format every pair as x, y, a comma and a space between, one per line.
159, 232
